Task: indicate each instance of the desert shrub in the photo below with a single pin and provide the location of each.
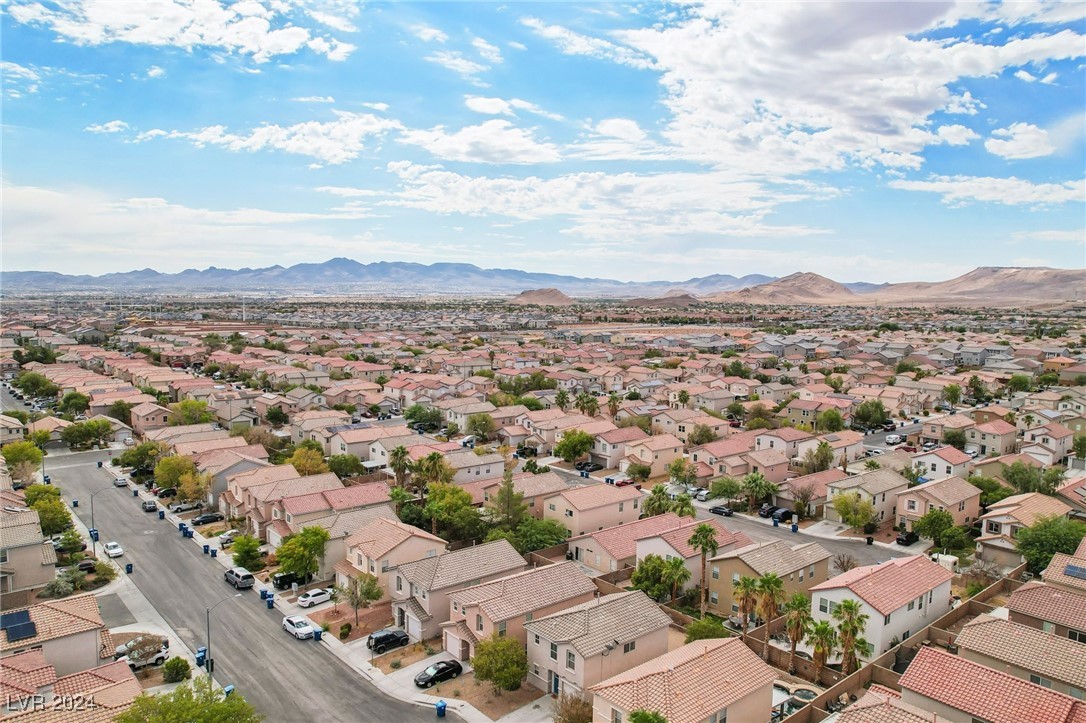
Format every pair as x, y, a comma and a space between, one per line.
175, 670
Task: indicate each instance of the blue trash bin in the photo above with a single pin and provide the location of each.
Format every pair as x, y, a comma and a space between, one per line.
207, 549
440, 707
263, 594
189, 532
75, 503
99, 463
271, 602
93, 532
795, 527
317, 634
128, 568
201, 656
135, 493
214, 553
162, 514
776, 522
180, 526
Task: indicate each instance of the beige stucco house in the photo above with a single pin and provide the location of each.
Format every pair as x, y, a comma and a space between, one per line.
382, 545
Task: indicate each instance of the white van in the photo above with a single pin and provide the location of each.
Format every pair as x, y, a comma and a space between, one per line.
894, 439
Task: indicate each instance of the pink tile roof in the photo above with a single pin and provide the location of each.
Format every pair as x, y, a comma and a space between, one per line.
592, 496
882, 705
381, 536
984, 693
1049, 604
1027, 507
951, 455
818, 481
679, 537
890, 585
524, 592
691, 682
620, 541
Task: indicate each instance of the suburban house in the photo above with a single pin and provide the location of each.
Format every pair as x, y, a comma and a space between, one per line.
881, 487
1049, 609
534, 487
420, 589
900, 597
953, 494
954, 688
614, 548
572, 650
27, 560
1001, 523
291, 513
505, 605
610, 447
147, 417
69, 632
787, 491
994, 438
798, 567
730, 681
382, 545
675, 542
31, 687
933, 430
593, 507
1049, 444
1042, 658
11, 430
657, 452
232, 502
943, 462
357, 439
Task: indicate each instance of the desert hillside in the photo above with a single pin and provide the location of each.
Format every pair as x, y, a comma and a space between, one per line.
993, 285
541, 297
800, 288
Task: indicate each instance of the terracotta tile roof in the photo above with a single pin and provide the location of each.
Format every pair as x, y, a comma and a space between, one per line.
690, 682
462, 566
20, 527
984, 693
60, 618
949, 491
1027, 508
23, 674
263, 475
818, 482
620, 541
890, 585
880, 705
679, 537
951, 455
591, 626
590, 497
461, 630
777, 557
657, 442
520, 593
342, 524
622, 434
381, 536
1055, 572
1047, 654
113, 688
996, 426
295, 486
1049, 604
874, 482
344, 498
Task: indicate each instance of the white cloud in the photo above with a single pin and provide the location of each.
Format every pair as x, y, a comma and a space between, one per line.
488, 52
1026, 76
114, 126
1019, 141
314, 99
488, 106
332, 142
19, 80
959, 190
533, 108
494, 141
382, 107
428, 34
517, 46
1050, 78
574, 43
622, 128
956, 135
155, 72
455, 61
1075, 236
247, 28
334, 21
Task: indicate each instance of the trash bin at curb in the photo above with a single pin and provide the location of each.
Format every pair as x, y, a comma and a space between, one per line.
207, 549
214, 553
776, 522
180, 526
162, 514
870, 540
795, 527
317, 634
440, 707
99, 463
201, 656
263, 594
190, 532
135, 493
128, 568
271, 601
75, 503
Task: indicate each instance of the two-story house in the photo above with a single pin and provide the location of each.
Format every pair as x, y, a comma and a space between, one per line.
11, 430
572, 650
881, 487
1050, 444
504, 606
953, 494
27, 560
293, 512
657, 452
420, 589
147, 417
535, 487
593, 507
69, 632
993, 438
900, 597
943, 462
615, 548
675, 543
1000, 525
799, 567
610, 447
382, 545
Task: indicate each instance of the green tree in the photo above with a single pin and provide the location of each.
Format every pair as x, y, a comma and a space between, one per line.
574, 444
481, 425
871, 413
193, 486
651, 577
955, 438
399, 461
701, 434
830, 421
704, 541
851, 623
39, 438
933, 524
797, 624
682, 472
444, 503
71, 542
1047, 536
276, 416
727, 488
770, 596
196, 702
646, 716
587, 404
143, 457
706, 628
818, 459
1019, 383
190, 411
507, 506
614, 403
36, 385
822, 638
745, 594
35, 493
683, 506
756, 487
1048, 379
301, 553
247, 553
169, 470
954, 538
500, 661
639, 472
952, 393
536, 534
657, 503
683, 398
74, 403
418, 414
677, 574
121, 411
561, 399
431, 470
360, 592
76, 435
1078, 446
307, 462
24, 451
853, 510
1025, 478
345, 465
54, 516
400, 497
736, 410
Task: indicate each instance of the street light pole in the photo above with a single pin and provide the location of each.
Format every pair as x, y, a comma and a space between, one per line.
94, 543
207, 663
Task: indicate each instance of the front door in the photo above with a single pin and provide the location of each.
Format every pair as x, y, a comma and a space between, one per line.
555, 681
400, 615
577, 554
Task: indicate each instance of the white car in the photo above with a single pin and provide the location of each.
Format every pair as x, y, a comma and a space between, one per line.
298, 626
314, 597
120, 482
113, 549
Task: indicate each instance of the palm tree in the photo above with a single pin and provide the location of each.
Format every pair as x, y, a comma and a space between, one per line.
683, 506
757, 487
432, 469
704, 541
770, 596
587, 404
823, 640
677, 574
684, 398
797, 623
657, 502
851, 622
745, 591
562, 399
613, 403
399, 461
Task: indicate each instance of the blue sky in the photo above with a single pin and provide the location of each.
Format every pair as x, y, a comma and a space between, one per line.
860, 140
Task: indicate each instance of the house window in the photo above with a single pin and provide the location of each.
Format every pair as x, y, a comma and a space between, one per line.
714, 598
716, 572
569, 513
535, 639
535, 669
384, 565
629, 647
886, 620
554, 651
961, 506
993, 527
912, 604
635, 504
810, 572
571, 660
528, 618
399, 584
1077, 635
551, 507
826, 606
621, 506
478, 622
1038, 680
501, 629
616, 715
911, 505
1048, 627
719, 717
371, 565
1076, 693
3, 555
735, 577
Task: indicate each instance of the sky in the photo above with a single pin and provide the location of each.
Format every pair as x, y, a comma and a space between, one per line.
865, 141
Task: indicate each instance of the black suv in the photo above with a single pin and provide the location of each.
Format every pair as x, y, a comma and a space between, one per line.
382, 640
907, 538
283, 580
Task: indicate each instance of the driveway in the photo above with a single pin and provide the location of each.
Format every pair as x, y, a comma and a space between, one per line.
405, 677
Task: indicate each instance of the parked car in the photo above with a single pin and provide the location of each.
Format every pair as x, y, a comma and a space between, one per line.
439, 671
624, 482
114, 549
239, 577
907, 448
136, 660
767, 510
298, 626
315, 597
889, 427
185, 506
721, 510
382, 640
592, 467
781, 514
166, 494
894, 439
928, 446
283, 580
120, 482
581, 465
702, 496
907, 538
149, 505
134, 643
227, 538
87, 566
207, 518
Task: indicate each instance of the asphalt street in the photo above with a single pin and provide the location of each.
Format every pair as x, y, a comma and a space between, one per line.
285, 679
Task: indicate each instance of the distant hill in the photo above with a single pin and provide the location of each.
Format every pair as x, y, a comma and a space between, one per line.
667, 301
542, 297
994, 285
799, 288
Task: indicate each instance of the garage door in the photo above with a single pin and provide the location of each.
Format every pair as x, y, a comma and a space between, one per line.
414, 628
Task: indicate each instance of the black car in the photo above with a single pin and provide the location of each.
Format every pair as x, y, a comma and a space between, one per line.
85, 565
283, 580
207, 518
149, 506
167, 493
439, 671
382, 640
781, 514
581, 465
907, 538
767, 510
592, 467
721, 510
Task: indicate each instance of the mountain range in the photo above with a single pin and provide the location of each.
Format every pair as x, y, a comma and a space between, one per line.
985, 285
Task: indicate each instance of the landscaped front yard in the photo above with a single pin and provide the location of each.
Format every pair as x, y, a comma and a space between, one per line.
369, 620
482, 696
403, 657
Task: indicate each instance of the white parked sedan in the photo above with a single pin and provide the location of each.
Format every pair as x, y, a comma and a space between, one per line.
114, 549
298, 626
315, 597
